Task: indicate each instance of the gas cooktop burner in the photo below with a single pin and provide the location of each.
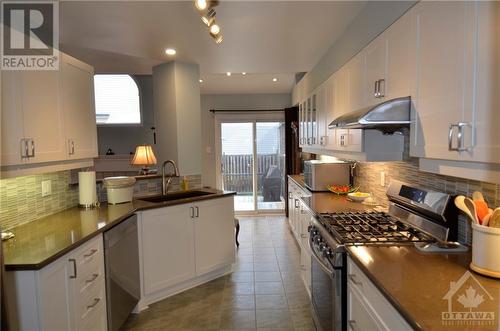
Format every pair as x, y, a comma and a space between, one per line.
362, 228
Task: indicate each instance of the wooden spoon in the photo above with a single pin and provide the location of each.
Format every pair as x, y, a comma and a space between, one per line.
460, 203
495, 219
477, 196
486, 219
472, 208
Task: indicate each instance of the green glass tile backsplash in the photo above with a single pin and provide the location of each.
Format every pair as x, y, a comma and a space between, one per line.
21, 198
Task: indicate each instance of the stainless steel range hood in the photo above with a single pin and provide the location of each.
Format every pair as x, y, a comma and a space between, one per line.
388, 116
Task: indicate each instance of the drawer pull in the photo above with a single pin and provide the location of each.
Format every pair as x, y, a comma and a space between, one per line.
352, 277
73, 261
353, 325
94, 277
96, 301
92, 252
303, 235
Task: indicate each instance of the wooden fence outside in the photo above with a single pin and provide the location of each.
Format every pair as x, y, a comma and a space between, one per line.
237, 170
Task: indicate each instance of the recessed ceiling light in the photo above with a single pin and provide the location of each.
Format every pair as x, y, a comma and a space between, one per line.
170, 51
243, 73
275, 79
201, 4
200, 80
214, 29
228, 74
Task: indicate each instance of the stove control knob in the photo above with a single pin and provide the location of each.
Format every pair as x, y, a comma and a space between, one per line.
322, 247
327, 253
311, 228
318, 239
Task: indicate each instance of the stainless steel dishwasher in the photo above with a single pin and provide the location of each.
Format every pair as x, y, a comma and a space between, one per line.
121, 257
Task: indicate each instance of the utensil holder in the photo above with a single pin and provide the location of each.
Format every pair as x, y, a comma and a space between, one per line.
485, 248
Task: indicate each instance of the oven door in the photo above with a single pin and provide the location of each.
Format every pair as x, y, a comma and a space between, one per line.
328, 292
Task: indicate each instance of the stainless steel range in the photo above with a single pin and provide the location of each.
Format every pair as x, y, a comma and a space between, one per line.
416, 216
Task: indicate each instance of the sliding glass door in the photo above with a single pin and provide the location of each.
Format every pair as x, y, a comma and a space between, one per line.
237, 163
251, 156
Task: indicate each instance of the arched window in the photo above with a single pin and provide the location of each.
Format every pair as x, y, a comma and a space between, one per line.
116, 100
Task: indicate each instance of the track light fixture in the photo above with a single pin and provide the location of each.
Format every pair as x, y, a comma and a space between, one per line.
209, 17
214, 29
206, 7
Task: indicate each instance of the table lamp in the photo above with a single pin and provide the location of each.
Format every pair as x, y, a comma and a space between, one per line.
144, 157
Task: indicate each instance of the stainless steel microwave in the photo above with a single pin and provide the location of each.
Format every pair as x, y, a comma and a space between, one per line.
319, 174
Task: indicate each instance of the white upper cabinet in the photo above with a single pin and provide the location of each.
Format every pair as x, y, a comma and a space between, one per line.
486, 135
78, 108
355, 84
31, 118
390, 63
376, 63
443, 98
42, 115
12, 120
48, 116
400, 71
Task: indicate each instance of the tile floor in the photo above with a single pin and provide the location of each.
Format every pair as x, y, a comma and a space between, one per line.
264, 293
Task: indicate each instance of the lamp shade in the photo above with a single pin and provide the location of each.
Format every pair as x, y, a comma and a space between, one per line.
144, 155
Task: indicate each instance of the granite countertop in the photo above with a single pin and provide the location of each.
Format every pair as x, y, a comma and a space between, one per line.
414, 282
38, 243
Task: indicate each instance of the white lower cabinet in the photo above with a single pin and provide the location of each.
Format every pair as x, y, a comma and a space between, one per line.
367, 308
299, 218
67, 294
181, 244
214, 235
167, 247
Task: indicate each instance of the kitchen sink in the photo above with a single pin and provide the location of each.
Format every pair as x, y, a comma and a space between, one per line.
175, 196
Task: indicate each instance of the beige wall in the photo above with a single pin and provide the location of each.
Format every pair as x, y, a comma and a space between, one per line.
230, 102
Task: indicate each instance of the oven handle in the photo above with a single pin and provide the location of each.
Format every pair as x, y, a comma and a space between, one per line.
321, 263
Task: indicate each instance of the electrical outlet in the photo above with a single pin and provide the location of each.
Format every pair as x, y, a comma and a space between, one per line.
46, 188
382, 178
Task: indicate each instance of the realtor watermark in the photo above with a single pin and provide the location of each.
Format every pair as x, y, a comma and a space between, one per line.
30, 35
467, 299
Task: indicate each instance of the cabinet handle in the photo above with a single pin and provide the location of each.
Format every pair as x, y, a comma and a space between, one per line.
353, 325
32, 154
71, 147
290, 195
460, 137
92, 252
197, 212
24, 148
296, 203
352, 277
375, 89
381, 91
75, 274
90, 280
303, 236
191, 212
96, 301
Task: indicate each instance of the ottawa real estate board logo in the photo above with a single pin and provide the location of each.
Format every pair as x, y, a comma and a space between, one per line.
30, 35
469, 303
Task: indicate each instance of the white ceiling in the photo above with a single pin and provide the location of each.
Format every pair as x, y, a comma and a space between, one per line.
264, 39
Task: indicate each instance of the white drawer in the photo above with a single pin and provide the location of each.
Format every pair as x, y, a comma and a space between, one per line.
85, 281
89, 256
91, 305
383, 310
360, 316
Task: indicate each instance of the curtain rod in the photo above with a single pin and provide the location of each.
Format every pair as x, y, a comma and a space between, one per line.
244, 110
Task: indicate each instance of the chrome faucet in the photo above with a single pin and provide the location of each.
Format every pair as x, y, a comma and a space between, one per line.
170, 175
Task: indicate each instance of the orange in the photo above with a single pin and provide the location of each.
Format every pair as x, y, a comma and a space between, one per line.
482, 209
